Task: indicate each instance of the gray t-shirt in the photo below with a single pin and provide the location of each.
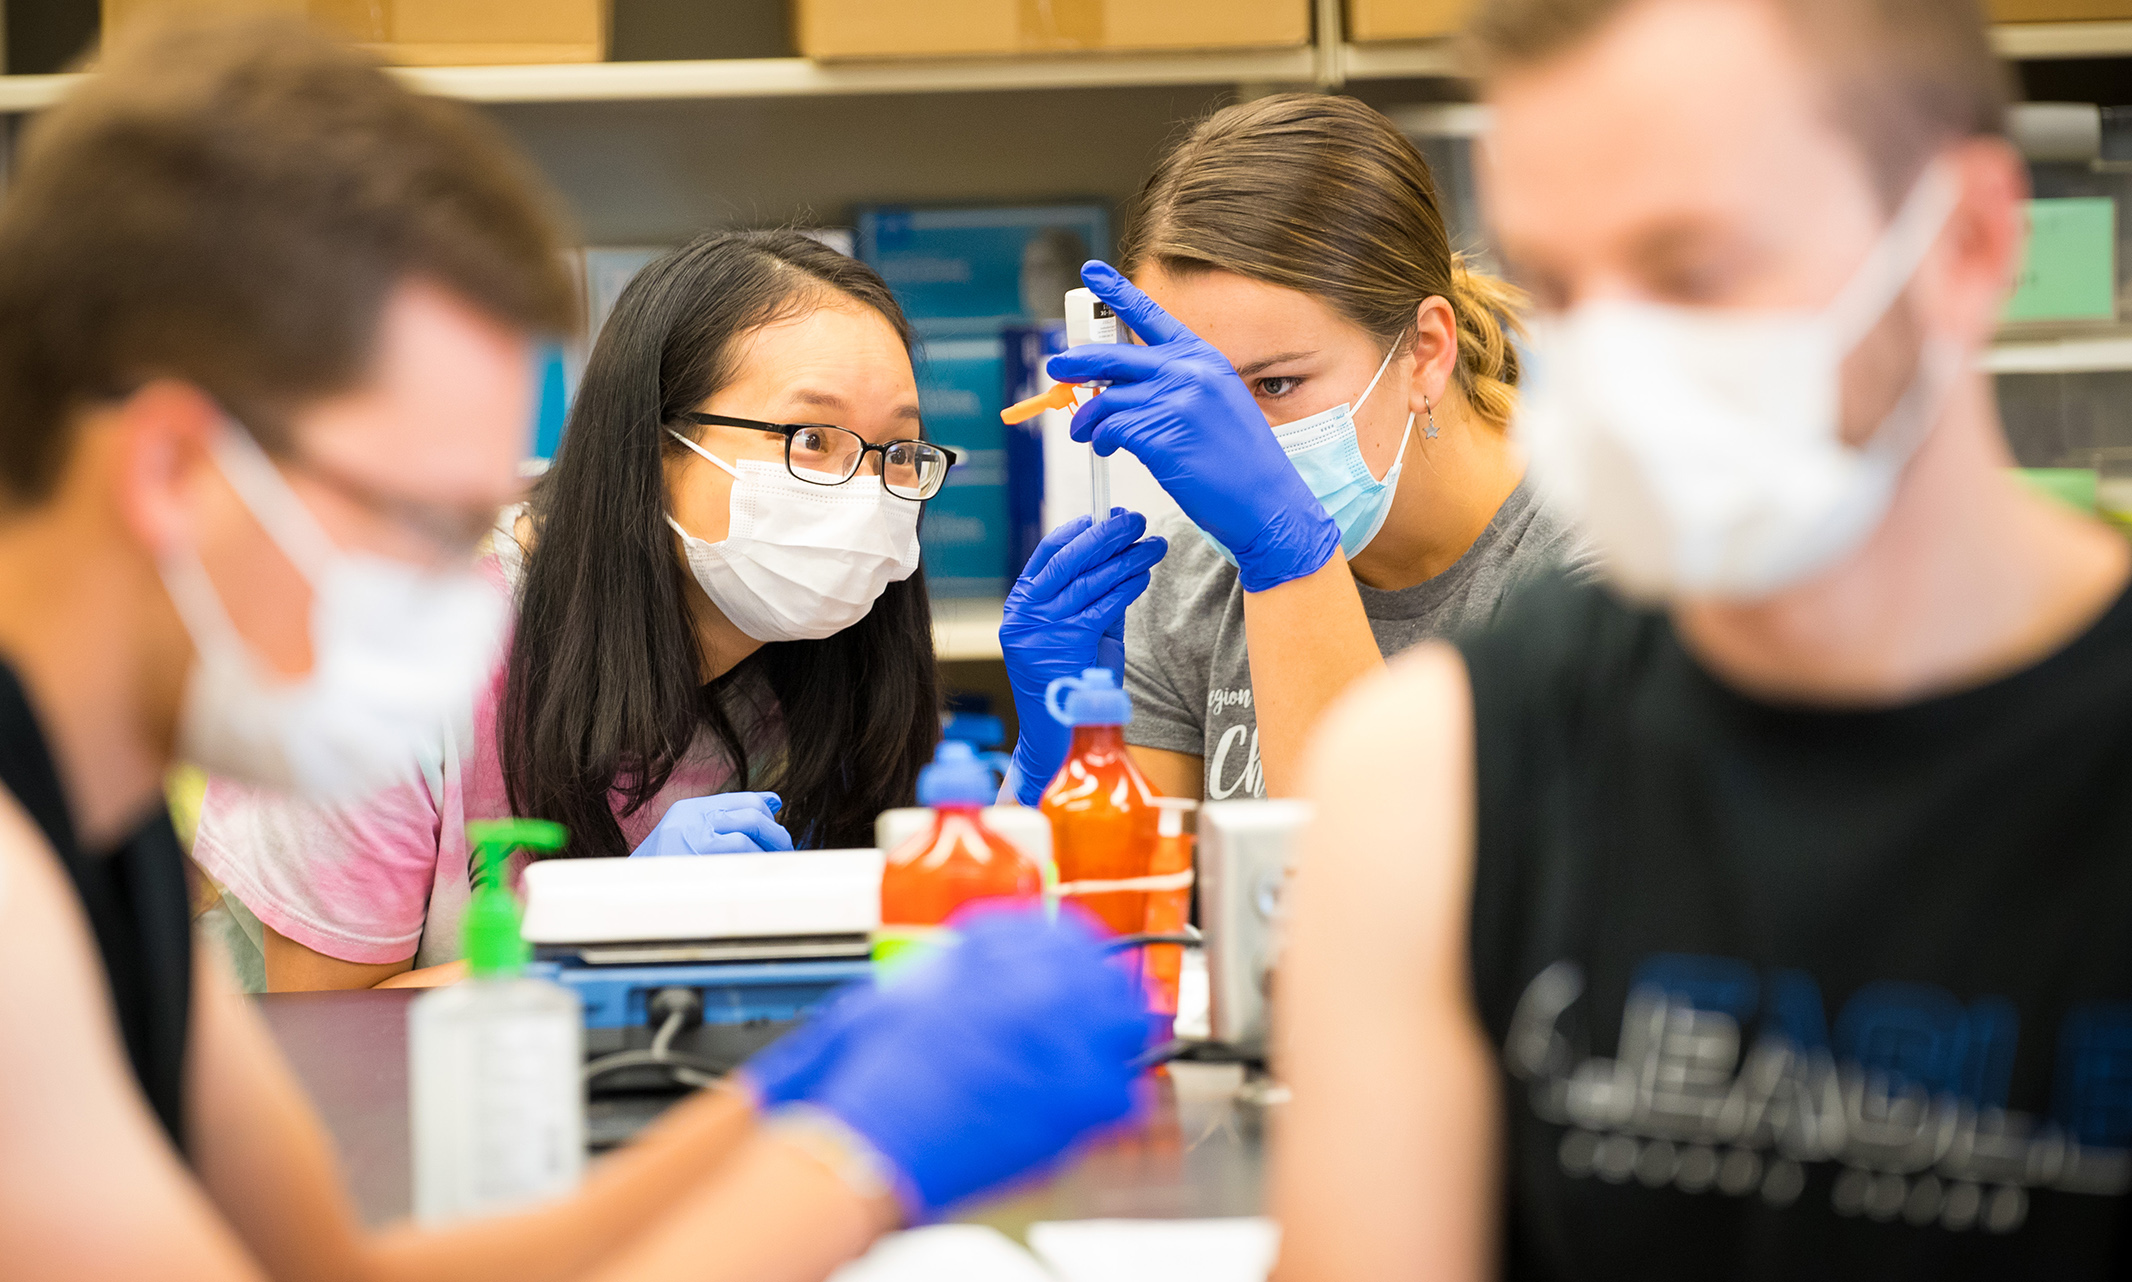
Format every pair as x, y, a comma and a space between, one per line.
1190, 676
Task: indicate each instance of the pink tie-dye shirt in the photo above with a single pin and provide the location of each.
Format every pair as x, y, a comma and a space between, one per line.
385, 878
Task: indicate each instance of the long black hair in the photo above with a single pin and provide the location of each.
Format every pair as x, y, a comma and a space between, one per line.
604, 693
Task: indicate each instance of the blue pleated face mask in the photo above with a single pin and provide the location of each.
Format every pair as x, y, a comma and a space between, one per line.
1327, 452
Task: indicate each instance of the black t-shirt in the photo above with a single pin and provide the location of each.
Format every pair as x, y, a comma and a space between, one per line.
1785, 993
136, 903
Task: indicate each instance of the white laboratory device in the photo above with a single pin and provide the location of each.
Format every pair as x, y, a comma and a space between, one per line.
770, 907
1090, 320
758, 939
1246, 851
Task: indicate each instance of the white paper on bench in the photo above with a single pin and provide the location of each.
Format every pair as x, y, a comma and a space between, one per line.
944, 1253
1231, 1250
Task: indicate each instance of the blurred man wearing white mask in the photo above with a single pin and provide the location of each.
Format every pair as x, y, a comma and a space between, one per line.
1763, 912
266, 339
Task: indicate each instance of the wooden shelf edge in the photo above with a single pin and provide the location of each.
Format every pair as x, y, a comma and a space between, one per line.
2062, 39
2017, 40
29, 93
967, 628
2100, 353
802, 77
1401, 60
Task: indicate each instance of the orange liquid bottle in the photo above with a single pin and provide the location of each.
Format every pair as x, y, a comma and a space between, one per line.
1102, 809
956, 860
1169, 908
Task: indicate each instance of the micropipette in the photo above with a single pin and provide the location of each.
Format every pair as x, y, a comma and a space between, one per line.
1090, 320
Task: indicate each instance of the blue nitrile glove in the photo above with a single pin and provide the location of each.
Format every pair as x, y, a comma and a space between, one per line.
729, 823
1178, 405
990, 1059
1067, 614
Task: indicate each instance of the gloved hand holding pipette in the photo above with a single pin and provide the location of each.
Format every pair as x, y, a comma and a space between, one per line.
1180, 408
1067, 614
726, 823
1088, 320
972, 1067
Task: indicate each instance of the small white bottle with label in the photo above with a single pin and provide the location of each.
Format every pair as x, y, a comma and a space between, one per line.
495, 1062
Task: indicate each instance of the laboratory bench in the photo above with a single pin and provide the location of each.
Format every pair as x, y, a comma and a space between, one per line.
1200, 1155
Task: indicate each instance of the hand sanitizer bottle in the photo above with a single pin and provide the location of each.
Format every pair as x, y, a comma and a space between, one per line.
496, 1061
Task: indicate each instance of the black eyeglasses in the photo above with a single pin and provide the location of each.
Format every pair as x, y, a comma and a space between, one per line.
823, 455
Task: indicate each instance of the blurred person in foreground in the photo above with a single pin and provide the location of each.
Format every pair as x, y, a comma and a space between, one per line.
1762, 912
266, 335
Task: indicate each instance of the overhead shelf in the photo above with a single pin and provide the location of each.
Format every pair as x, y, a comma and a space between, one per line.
798, 77
2063, 39
2016, 40
29, 93
1328, 63
1406, 60
2090, 354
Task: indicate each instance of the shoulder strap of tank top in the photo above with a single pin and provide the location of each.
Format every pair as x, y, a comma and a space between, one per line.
26, 766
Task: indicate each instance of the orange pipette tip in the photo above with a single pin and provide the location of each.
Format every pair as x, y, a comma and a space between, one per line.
1058, 398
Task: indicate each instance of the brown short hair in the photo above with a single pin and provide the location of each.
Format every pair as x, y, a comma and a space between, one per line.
231, 204
1322, 194
1906, 76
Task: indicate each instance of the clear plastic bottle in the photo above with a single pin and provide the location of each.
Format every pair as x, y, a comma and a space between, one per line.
957, 859
1104, 819
495, 1062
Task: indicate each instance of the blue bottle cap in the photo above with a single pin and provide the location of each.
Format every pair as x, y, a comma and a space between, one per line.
957, 777
1094, 699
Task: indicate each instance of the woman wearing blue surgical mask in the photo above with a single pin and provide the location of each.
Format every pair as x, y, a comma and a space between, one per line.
722, 645
1324, 387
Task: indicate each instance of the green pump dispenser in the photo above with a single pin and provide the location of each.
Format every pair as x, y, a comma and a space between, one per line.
495, 1065
494, 947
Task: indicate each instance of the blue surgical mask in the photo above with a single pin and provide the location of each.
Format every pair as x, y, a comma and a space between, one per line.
1327, 452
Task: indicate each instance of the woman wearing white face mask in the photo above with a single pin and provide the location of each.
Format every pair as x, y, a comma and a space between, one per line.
1324, 389
722, 643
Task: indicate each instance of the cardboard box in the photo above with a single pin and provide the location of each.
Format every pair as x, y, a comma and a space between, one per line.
831, 29
1406, 19
2060, 10
424, 32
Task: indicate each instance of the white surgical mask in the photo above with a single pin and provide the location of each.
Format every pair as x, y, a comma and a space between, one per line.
801, 561
1327, 451
397, 653
1702, 450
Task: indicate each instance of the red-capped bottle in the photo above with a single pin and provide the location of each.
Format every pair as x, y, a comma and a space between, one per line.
955, 860
1103, 815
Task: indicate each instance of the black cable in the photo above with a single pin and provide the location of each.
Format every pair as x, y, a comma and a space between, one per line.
686, 1069
682, 1006
1182, 1050
1190, 939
